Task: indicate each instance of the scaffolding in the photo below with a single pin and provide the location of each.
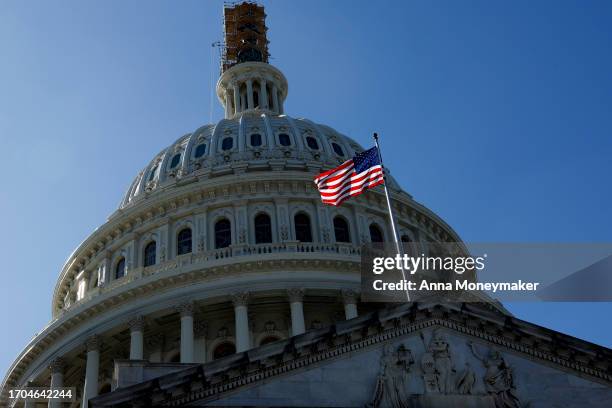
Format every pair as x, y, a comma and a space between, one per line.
245, 37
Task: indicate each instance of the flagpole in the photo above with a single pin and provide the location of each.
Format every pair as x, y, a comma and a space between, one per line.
398, 246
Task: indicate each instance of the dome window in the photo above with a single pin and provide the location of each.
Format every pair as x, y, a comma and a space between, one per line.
376, 234
284, 139
120, 268
303, 232
255, 140
183, 242
152, 173
339, 151
263, 229
200, 150
341, 230
312, 143
227, 143
223, 233
150, 254
175, 160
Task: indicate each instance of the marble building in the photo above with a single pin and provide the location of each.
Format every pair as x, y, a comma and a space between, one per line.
222, 280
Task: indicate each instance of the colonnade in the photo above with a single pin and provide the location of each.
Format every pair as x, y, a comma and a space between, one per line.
239, 98
240, 301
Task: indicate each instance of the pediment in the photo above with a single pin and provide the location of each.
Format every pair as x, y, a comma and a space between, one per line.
411, 355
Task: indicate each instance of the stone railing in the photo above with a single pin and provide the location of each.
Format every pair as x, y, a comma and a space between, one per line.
209, 258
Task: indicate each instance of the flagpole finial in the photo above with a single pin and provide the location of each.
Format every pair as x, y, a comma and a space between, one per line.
375, 136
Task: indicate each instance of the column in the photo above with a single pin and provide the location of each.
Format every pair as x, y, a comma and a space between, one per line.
349, 297
91, 371
57, 379
241, 316
296, 298
275, 99
263, 94
186, 311
249, 87
228, 105
136, 338
30, 403
236, 88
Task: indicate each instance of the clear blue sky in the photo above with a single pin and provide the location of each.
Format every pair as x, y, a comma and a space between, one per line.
496, 115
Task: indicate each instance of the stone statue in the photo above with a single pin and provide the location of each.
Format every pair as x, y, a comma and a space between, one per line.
440, 350
498, 379
466, 381
392, 384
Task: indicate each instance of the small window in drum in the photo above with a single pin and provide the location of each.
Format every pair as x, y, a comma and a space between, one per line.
175, 160
338, 149
255, 140
284, 139
227, 143
200, 150
312, 143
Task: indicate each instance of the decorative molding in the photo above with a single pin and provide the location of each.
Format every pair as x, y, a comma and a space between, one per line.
295, 294
350, 297
185, 309
137, 323
93, 343
240, 298
57, 365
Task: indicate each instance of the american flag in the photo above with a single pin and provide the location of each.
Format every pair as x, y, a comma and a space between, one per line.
351, 178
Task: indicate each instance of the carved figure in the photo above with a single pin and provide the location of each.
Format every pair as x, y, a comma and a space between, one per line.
440, 350
466, 381
498, 378
391, 386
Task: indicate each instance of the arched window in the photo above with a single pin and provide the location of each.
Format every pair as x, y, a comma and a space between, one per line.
224, 349
223, 233
120, 268
339, 151
303, 232
255, 140
376, 234
284, 139
227, 143
150, 253
183, 241
312, 143
175, 160
200, 150
341, 230
263, 229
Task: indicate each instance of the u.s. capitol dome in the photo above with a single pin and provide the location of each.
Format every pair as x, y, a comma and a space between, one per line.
220, 245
